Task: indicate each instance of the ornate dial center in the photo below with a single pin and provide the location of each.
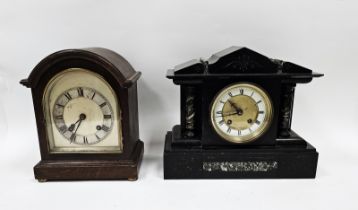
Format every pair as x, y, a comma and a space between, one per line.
83, 115
240, 113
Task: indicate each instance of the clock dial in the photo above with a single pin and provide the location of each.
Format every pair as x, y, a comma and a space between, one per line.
241, 112
83, 115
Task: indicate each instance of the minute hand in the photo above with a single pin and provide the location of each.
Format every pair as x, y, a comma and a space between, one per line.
78, 126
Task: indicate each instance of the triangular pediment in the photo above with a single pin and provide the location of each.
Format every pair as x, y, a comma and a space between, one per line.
240, 60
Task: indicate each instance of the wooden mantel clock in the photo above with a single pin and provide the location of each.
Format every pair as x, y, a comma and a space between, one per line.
86, 109
236, 111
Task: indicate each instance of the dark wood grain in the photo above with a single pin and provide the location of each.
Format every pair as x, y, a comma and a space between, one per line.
126, 169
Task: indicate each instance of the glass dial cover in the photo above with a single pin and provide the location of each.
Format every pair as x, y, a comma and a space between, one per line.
241, 112
83, 115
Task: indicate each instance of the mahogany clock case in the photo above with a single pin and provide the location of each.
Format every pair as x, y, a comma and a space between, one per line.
123, 80
194, 150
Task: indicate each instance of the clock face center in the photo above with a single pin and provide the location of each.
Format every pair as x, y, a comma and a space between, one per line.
85, 111
82, 116
245, 109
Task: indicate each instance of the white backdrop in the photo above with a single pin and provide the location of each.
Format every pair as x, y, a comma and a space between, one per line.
159, 34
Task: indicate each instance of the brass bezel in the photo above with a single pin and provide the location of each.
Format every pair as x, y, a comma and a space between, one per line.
256, 134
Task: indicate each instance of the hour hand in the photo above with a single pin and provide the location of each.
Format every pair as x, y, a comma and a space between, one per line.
228, 114
238, 110
72, 127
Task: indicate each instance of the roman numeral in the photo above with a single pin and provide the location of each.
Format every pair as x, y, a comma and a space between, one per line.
261, 112
107, 116
252, 94
94, 93
97, 137
103, 104
105, 128
230, 94
68, 95
85, 140
222, 102
60, 105
257, 122
239, 132
228, 130
222, 122
80, 91
219, 112
258, 102
59, 117
242, 91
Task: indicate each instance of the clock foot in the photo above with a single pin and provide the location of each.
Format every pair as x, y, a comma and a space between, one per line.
132, 179
42, 180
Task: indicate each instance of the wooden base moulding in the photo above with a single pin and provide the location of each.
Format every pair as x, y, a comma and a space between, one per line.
47, 170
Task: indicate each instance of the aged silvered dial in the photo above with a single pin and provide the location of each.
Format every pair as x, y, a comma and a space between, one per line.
241, 112
83, 116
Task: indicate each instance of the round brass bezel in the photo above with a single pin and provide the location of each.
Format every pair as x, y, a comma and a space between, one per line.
264, 125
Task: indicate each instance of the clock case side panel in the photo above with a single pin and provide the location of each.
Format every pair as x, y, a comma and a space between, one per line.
51, 66
189, 130
212, 86
190, 115
130, 115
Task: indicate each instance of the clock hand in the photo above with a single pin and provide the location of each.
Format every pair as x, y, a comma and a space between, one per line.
238, 110
82, 117
72, 126
77, 127
227, 114
231, 103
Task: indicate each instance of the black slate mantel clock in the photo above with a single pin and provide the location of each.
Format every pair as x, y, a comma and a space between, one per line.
86, 110
236, 111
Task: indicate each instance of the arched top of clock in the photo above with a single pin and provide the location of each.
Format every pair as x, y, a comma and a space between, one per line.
113, 63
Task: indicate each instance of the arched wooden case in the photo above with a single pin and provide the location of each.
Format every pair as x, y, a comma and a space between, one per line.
122, 78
